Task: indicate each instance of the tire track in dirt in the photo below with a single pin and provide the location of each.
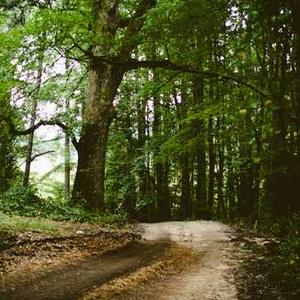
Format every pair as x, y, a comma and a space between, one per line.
71, 282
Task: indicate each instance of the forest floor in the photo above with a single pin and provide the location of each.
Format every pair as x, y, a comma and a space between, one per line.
172, 260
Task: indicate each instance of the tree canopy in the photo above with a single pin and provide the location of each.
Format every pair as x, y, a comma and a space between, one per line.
176, 109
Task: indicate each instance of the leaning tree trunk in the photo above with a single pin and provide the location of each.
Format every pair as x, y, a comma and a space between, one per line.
104, 80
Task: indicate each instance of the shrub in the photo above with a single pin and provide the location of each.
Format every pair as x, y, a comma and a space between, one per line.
289, 256
20, 200
26, 202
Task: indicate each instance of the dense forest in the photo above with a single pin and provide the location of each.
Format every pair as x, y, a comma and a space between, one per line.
154, 110
173, 109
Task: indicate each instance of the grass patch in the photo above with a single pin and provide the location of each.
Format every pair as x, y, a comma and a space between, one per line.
13, 225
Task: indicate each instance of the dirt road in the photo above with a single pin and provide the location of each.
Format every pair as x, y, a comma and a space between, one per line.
71, 282
211, 277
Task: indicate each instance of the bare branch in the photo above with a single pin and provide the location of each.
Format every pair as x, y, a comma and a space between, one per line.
41, 154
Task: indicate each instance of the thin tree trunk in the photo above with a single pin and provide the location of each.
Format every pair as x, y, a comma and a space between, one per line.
32, 122
221, 209
67, 164
184, 161
145, 186
246, 194
230, 184
186, 199
201, 192
212, 163
130, 196
161, 170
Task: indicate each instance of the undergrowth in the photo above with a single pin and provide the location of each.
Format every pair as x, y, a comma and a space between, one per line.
282, 258
26, 202
11, 225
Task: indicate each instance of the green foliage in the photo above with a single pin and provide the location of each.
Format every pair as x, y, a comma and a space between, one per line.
289, 262
241, 131
11, 225
21, 201
66, 211
7, 160
26, 202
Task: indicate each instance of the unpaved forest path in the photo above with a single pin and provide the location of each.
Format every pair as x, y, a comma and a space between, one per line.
209, 277
71, 282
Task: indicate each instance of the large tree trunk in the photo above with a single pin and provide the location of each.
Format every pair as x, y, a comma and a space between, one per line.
105, 75
104, 81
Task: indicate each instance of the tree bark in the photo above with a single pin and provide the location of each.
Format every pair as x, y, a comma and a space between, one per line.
104, 81
221, 209
161, 169
277, 190
30, 145
186, 199
67, 181
201, 192
230, 183
32, 122
212, 163
143, 171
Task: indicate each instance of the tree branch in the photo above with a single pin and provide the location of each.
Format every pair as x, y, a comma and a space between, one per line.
123, 23
168, 65
134, 25
133, 64
41, 154
15, 131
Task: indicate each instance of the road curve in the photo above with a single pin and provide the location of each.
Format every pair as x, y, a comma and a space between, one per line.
211, 278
